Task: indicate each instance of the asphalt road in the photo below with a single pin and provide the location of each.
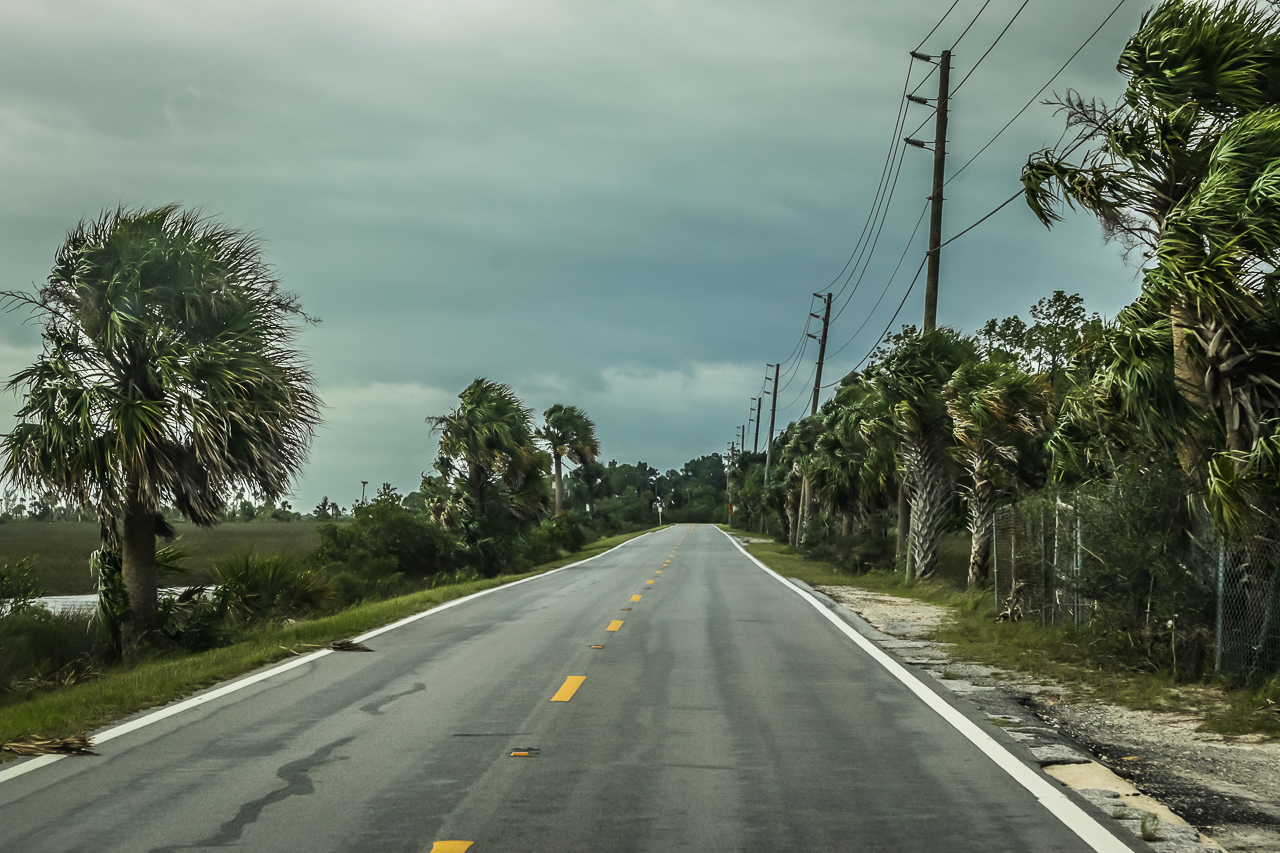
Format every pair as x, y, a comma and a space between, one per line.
721, 711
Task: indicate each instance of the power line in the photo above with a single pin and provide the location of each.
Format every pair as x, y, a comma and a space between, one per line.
901, 258
971, 23
888, 163
993, 46
1040, 92
889, 325
935, 26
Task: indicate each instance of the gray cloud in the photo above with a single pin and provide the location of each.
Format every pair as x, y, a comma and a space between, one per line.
591, 201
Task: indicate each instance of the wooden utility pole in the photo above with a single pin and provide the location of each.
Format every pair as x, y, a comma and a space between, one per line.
822, 351
939, 175
755, 445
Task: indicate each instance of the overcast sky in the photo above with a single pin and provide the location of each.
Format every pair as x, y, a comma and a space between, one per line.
619, 205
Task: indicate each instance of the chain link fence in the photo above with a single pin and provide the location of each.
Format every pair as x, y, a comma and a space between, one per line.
1189, 600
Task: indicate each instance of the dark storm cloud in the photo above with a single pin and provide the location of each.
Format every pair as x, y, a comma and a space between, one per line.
623, 206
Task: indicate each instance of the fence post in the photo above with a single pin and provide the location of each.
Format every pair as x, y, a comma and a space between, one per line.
1217, 631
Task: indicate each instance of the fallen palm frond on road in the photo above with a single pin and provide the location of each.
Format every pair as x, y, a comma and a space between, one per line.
77, 744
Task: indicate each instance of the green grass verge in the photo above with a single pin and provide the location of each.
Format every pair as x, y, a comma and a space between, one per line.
127, 690
1090, 665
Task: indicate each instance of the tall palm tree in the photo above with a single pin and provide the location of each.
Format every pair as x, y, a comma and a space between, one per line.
1186, 168
486, 445
911, 377
856, 454
569, 434
168, 376
992, 404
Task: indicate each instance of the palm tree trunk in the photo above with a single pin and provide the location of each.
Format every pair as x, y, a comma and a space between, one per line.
904, 521
559, 485
1190, 383
981, 515
138, 569
931, 490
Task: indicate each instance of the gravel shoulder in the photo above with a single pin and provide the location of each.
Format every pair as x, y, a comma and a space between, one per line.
1226, 791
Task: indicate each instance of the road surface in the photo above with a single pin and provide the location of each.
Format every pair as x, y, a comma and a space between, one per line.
668, 695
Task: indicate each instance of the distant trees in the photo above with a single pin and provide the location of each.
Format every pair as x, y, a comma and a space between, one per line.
569, 434
168, 376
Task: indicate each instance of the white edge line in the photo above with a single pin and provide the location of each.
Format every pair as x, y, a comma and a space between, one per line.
1075, 818
232, 687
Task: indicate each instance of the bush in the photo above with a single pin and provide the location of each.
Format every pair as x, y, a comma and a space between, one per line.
385, 530
18, 590
271, 587
43, 650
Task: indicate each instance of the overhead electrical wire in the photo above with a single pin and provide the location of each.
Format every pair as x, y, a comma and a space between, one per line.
935, 26
1006, 126
888, 162
993, 47
894, 274
1038, 93
971, 23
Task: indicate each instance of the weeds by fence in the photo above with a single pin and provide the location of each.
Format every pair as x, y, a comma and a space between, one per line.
1136, 560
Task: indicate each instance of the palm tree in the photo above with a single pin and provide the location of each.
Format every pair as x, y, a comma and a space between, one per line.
856, 454
167, 377
992, 404
1185, 168
568, 434
911, 377
486, 443
498, 478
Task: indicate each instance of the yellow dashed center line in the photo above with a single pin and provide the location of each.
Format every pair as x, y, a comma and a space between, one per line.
450, 846
614, 625
565, 693
635, 598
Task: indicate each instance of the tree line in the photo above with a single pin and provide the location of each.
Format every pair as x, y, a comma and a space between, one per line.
1182, 387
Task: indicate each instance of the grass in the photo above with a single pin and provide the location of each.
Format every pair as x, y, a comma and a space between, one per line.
60, 549
1090, 664
126, 690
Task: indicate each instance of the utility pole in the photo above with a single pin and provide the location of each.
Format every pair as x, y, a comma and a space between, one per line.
822, 350
755, 445
939, 174
773, 413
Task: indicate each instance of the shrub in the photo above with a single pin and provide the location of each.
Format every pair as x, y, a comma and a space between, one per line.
18, 590
271, 587
42, 650
384, 530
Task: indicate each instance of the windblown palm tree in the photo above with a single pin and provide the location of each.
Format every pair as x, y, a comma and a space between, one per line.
498, 477
911, 378
568, 434
487, 444
992, 404
856, 454
167, 377
1187, 168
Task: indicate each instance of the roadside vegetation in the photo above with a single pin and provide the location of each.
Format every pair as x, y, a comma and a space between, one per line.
1115, 483
158, 435
81, 696
1091, 661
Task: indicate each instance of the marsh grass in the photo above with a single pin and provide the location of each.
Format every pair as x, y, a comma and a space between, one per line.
59, 550
121, 691
1105, 667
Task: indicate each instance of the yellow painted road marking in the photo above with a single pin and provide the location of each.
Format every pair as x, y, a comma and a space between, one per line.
451, 846
566, 691
658, 572
614, 625
651, 580
635, 598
